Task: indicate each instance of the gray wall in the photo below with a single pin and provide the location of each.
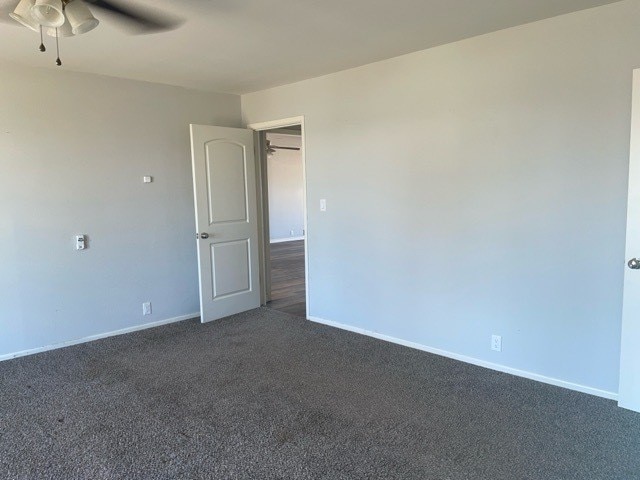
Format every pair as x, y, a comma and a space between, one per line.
286, 189
477, 188
73, 150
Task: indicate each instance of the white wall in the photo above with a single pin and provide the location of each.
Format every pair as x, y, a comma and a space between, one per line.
286, 189
73, 150
477, 188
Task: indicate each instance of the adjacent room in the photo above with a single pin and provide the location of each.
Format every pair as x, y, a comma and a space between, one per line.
286, 219
294, 239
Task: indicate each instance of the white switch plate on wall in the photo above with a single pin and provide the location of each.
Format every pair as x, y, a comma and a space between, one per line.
323, 205
146, 308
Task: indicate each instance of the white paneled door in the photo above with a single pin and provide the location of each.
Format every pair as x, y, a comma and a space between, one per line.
226, 220
629, 394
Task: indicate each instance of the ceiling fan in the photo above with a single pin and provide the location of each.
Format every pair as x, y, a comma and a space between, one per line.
67, 18
271, 149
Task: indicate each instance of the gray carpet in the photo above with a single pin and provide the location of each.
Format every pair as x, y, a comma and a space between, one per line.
265, 395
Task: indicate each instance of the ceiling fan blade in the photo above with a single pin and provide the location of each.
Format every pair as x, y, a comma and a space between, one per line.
284, 148
140, 19
6, 8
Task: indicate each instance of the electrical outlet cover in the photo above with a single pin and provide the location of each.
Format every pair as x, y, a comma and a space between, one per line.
496, 343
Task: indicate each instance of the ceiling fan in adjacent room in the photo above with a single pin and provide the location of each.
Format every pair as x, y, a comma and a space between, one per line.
271, 149
68, 18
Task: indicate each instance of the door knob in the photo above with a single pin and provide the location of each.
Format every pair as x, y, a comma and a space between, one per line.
634, 264
204, 236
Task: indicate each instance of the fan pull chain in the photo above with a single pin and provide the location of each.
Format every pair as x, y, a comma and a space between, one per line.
58, 61
42, 47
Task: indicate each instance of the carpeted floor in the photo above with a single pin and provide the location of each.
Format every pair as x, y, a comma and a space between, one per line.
265, 395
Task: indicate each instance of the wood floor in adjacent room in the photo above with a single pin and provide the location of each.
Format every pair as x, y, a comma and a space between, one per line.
287, 278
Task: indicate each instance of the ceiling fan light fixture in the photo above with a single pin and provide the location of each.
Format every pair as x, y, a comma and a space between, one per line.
63, 31
48, 13
66, 18
22, 14
80, 18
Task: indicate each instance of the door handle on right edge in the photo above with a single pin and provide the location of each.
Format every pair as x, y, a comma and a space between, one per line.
634, 264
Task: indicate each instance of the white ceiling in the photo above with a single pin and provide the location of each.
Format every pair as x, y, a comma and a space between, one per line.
240, 46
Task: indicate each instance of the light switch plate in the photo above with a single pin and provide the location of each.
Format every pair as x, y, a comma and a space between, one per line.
147, 179
323, 205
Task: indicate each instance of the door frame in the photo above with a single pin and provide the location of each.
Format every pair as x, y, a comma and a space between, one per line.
263, 204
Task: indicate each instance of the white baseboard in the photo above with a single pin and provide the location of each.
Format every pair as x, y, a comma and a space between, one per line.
474, 361
463, 358
286, 239
99, 336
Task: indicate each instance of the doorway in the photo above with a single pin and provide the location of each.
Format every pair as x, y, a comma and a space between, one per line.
281, 165
231, 194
